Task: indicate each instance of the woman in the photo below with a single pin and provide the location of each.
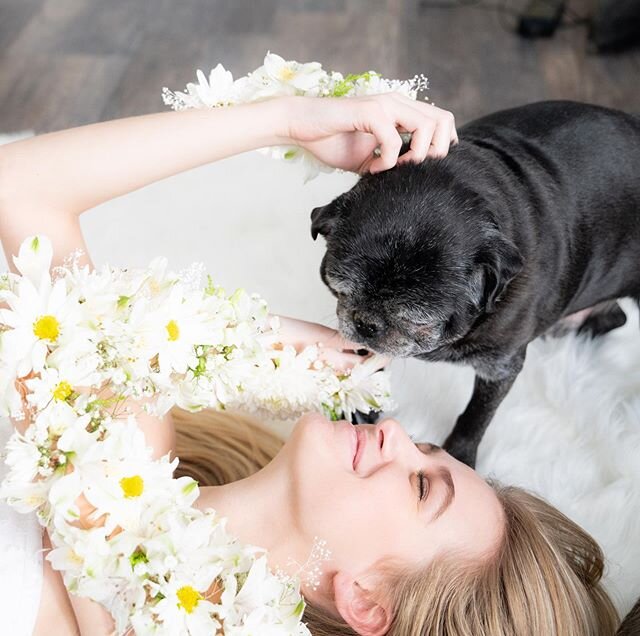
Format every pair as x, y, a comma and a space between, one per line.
420, 543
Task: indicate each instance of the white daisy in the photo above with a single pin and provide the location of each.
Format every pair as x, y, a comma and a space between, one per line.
38, 319
215, 91
176, 327
121, 489
185, 610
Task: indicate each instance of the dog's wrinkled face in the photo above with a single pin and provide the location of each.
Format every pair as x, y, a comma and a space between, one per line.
410, 271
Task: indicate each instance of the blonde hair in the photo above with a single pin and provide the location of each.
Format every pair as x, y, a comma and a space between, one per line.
545, 579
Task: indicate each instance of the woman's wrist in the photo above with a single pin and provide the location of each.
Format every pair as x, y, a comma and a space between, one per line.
271, 123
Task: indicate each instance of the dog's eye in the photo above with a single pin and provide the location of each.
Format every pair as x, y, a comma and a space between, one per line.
337, 293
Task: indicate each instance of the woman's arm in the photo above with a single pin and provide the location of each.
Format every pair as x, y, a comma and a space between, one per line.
47, 181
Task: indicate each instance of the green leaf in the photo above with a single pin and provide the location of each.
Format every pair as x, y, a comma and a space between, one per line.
122, 301
210, 289
299, 608
190, 487
236, 296
348, 83
201, 366
35, 243
331, 412
290, 154
138, 556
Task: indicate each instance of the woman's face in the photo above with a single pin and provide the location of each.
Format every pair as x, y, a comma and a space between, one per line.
372, 494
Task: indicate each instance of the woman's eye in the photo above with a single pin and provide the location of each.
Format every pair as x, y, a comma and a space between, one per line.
423, 486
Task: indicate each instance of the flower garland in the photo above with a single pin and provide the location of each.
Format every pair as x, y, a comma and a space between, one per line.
279, 77
159, 565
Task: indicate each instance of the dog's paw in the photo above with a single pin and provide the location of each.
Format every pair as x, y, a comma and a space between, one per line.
462, 449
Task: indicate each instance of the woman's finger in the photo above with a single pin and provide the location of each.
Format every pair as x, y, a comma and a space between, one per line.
441, 139
442, 122
339, 360
421, 140
390, 145
432, 132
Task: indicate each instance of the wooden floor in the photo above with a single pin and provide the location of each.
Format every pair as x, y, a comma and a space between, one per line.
69, 62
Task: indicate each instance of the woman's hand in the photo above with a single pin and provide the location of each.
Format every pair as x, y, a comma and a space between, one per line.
341, 354
344, 132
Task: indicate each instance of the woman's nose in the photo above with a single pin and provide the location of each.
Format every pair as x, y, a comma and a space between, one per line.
381, 444
391, 437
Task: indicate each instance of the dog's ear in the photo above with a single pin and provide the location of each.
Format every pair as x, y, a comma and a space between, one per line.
500, 262
323, 219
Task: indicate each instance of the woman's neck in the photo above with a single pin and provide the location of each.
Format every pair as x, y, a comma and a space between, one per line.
258, 512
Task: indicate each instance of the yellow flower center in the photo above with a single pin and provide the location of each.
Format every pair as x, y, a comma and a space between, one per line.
46, 327
62, 391
188, 598
287, 73
132, 486
173, 330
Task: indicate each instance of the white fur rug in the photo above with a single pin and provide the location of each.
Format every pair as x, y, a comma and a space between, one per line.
569, 429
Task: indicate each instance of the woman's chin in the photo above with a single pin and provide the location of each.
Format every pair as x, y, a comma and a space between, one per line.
319, 447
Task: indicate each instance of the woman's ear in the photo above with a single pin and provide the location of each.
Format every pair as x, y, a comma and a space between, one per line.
358, 608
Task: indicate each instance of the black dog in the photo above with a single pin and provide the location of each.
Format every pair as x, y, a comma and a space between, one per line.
532, 217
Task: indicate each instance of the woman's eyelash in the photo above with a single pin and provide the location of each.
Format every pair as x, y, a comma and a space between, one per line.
423, 485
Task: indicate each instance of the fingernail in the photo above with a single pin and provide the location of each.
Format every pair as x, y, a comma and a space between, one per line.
363, 352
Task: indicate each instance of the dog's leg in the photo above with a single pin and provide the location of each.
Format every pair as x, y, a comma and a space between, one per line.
487, 395
604, 318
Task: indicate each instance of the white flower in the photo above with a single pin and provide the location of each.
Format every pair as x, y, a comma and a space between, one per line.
364, 389
217, 91
289, 77
175, 327
311, 166
34, 259
10, 397
184, 609
24, 496
38, 318
53, 384
121, 489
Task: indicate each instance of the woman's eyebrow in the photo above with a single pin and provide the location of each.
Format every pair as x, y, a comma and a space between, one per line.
445, 476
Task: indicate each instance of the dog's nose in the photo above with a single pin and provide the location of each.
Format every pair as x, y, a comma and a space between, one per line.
364, 326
